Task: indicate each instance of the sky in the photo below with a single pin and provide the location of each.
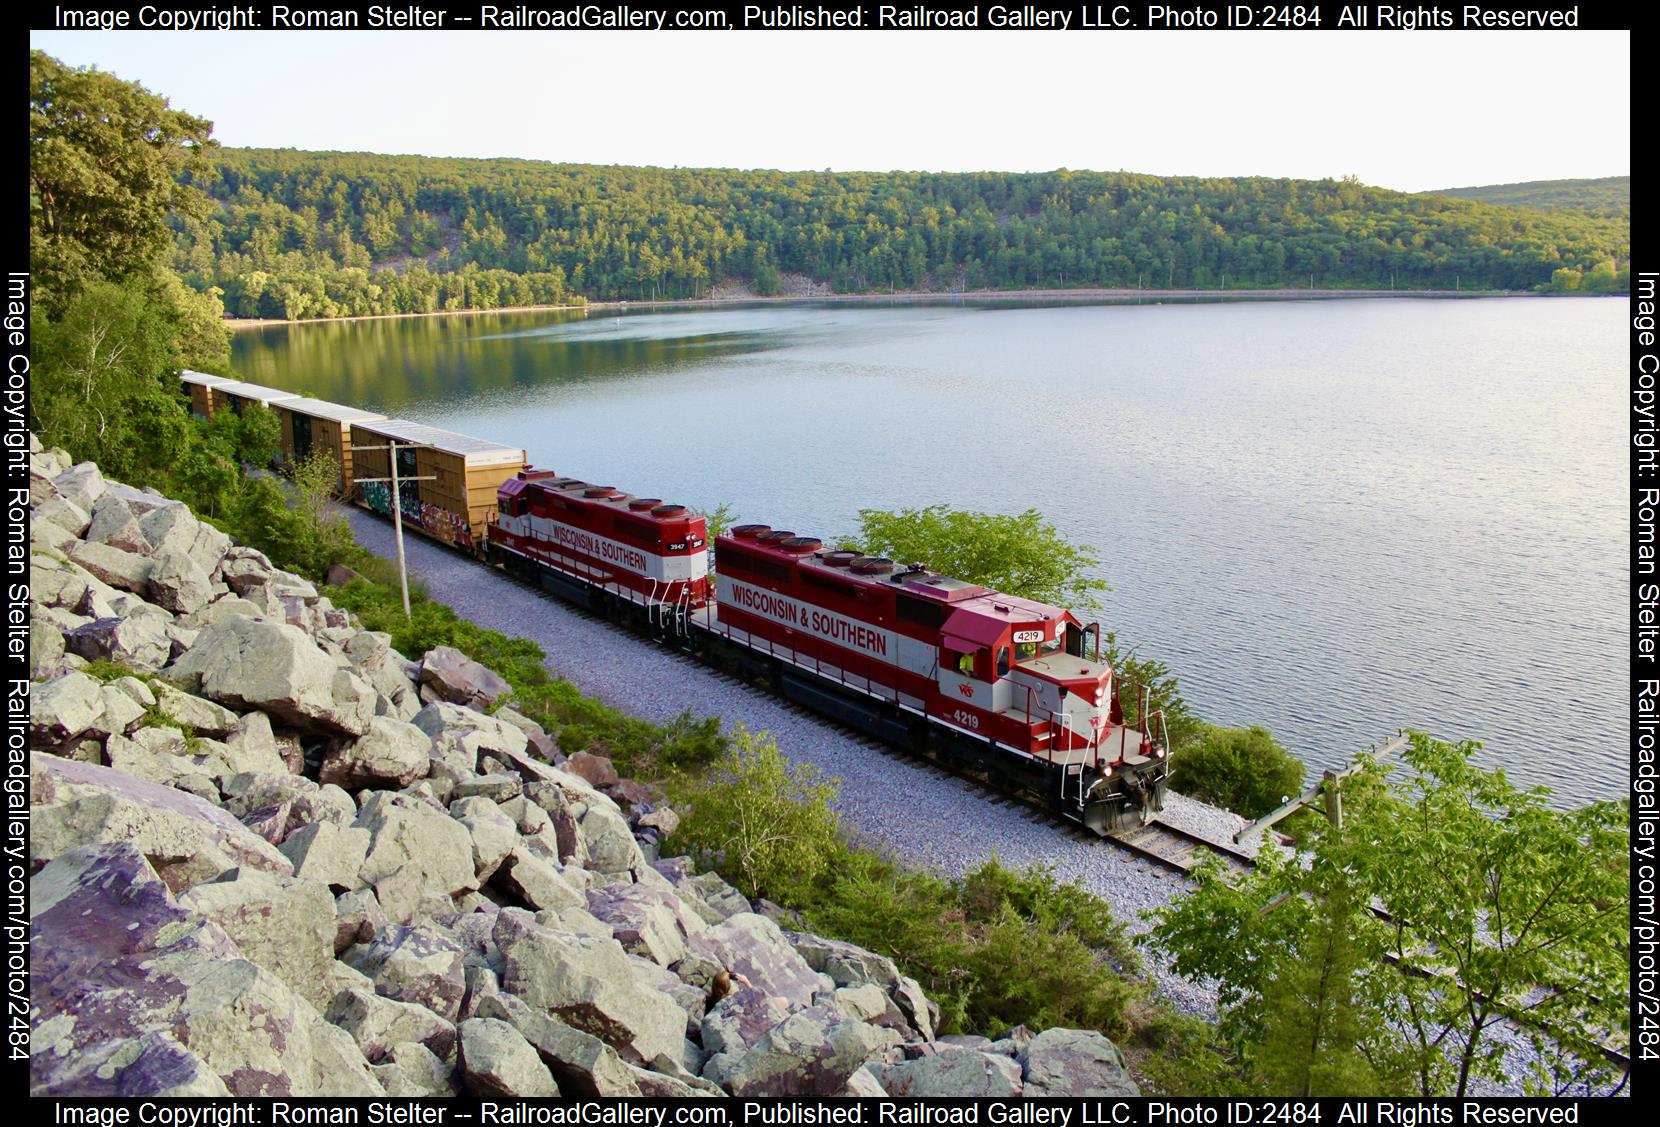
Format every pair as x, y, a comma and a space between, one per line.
1410, 111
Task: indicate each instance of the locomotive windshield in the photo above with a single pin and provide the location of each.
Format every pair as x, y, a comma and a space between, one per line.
1026, 651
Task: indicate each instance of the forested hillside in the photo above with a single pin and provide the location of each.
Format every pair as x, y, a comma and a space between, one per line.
301, 234
1610, 196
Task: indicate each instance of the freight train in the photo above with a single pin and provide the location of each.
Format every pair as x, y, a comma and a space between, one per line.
1010, 687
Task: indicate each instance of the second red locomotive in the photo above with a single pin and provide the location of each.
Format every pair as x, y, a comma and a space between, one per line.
1014, 686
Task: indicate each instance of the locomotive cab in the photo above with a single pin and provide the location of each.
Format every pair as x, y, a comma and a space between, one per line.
1047, 673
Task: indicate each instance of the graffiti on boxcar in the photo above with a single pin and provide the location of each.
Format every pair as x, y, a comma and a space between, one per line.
437, 522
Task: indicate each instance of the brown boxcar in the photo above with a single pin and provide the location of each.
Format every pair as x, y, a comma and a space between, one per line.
237, 395
199, 385
316, 424
458, 505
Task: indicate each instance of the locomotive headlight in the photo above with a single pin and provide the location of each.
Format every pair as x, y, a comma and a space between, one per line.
1106, 772
1161, 753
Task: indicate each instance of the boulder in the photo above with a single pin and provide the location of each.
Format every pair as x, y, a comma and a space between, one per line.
679, 1086
201, 716
471, 732
533, 882
455, 677
914, 1004
739, 1021
1075, 1062
124, 960
328, 854
960, 1073
62, 513
754, 947
138, 643
371, 653
253, 749
187, 840
174, 526
608, 841
663, 819
589, 984
275, 805
161, 756
407, 833
498, 787
140, 502
377, 1023
178, 583
493, 833
124, 570
82, 484
220, 609
845, 963
63, 708
45, 648
496, 1061
646, 921
413, 964
47, 536
581, 1063
282, 924
253, 664
244, 569
357, 919
113, 523
122, 712
412, 1070
813, 1052
871, 1003
391, 754
596, 769
164, 1068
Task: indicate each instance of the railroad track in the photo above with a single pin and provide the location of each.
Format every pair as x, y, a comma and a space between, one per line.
1176, 849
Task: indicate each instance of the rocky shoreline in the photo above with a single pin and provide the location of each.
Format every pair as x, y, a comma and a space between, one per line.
273, 856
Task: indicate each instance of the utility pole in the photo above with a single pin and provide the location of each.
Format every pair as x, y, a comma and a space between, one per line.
391, 449
1327, 788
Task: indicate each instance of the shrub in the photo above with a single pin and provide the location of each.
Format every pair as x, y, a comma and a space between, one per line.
1240, 768
766, 821
995, 949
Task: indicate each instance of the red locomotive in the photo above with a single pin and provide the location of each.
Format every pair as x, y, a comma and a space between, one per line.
603, 548
901, 652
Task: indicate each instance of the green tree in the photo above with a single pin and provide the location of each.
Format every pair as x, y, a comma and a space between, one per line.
1244, 769
105, 165
768, 820
96, 387
1468, 902
1313, 1029
1136, 674
1019, 555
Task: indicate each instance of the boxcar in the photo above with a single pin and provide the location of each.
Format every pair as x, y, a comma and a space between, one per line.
238, 396
316, 424
458, 504
199, 385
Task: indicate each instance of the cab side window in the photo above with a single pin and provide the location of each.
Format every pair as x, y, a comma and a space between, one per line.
965, 664
1002, 661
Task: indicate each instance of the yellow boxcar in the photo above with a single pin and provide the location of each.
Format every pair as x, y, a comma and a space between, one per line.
458, 503
199, 385
237, 396
316, 424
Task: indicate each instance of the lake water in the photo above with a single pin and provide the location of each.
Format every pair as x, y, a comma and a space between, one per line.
1331, 518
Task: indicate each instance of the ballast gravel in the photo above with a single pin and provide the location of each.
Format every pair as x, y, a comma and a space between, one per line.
894, 802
